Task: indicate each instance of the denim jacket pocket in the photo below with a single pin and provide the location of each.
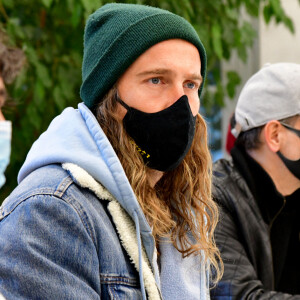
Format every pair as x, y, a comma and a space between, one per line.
121, 288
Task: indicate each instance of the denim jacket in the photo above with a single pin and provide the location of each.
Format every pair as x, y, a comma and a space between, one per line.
73, 228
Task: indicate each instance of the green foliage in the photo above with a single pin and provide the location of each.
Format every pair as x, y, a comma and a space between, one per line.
51, 34
274, 10
233, 81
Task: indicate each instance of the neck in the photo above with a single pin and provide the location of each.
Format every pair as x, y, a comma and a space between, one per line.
286, 183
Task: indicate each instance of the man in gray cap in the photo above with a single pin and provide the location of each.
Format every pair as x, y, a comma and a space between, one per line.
258, 190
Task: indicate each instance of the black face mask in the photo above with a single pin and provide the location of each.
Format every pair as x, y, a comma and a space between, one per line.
162, 138
292, 165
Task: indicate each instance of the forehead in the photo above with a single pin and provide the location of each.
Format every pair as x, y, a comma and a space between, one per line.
173, 53
172, 44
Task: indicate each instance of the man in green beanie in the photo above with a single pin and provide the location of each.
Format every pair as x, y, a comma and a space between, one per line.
114, 199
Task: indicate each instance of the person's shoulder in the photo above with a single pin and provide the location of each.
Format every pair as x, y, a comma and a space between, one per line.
223, 169
222, 175
45, 179
227, 175
230, 190
52, 189
50, 180
52, 183
227, 181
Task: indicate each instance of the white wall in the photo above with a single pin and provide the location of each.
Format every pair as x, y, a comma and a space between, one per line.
276, 42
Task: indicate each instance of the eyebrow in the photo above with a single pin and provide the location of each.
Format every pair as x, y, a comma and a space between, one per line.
193, 76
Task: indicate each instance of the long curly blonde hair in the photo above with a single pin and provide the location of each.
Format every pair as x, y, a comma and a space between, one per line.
180, 205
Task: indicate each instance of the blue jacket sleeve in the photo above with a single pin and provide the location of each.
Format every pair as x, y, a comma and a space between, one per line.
47, 252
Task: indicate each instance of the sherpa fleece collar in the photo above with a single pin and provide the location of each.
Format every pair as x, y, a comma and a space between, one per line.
124, 224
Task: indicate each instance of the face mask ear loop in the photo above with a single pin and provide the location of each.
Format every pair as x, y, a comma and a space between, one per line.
288, 127
122, 102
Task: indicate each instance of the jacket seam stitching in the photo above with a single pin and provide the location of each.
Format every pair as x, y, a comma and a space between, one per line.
72, 202
65, 198
63, 186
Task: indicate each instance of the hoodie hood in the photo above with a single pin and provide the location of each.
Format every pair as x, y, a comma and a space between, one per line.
75, 136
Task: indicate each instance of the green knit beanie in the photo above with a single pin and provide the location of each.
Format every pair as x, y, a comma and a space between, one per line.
117, 34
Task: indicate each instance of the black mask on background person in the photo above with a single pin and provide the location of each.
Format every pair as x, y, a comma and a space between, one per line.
292, 165
163, 138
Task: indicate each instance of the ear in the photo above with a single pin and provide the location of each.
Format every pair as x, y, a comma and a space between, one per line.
272, 135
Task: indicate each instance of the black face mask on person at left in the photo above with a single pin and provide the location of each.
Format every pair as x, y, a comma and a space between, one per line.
292, 165
162, 138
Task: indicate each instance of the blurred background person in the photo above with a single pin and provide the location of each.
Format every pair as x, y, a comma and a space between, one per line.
11, 62
258, 191
230, 138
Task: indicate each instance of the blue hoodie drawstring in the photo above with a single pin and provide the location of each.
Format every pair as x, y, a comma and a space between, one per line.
138, 236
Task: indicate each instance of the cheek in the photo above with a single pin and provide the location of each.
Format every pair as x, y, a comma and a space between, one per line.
121, 112
291, 150
298, 150
195, 105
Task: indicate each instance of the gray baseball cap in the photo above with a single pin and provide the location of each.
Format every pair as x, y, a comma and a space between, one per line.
273, 93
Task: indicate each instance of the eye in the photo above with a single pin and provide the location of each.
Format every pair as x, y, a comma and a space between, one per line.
155, 80
190, 85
